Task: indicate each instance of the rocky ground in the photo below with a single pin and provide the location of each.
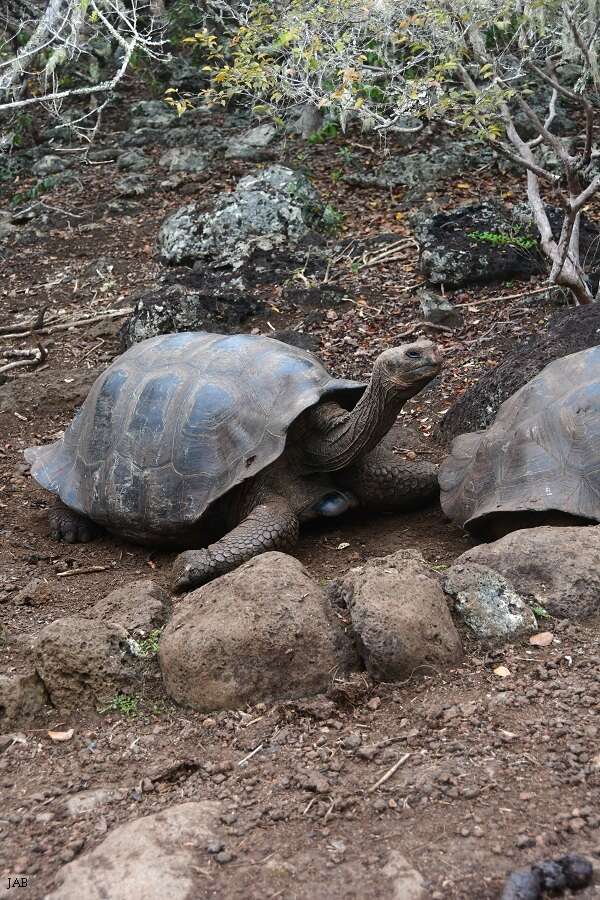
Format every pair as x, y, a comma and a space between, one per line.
498, 755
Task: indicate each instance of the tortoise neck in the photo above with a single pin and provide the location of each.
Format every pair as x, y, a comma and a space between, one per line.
337, 438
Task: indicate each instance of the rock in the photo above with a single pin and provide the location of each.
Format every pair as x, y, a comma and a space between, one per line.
139, 607
173, 307
304, 120
21, 697
488, 603
143, 856
439, 310
399, 615
133, 161
6, 225
153, 114
553, 876
568, 332
133, 186
296, 339
524, 884
82, 664
48, 165
407, 883
252, 144
87, 801
420, 172
557, 569
184, 159
273, 208
452, 253
103, 154
38, 592
262, 632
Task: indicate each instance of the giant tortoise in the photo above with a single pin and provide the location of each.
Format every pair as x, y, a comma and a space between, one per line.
539, 462
229, 442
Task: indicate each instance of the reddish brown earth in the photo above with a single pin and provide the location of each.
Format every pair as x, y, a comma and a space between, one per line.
501, 772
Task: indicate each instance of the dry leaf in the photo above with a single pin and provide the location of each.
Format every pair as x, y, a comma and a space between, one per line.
501, 672
61, 735
343, 546
542, 639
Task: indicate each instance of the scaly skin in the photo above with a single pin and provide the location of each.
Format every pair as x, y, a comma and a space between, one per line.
270, 526
68, 526
386, 483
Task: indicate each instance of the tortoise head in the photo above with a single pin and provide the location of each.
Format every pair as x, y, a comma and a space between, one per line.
408, 368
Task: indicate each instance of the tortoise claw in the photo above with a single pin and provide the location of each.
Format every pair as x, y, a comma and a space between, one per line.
192, 569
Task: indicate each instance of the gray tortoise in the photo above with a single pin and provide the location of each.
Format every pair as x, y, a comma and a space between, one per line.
229, 442
538, 463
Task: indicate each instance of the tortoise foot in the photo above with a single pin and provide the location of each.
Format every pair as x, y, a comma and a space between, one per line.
193, 569
68, 526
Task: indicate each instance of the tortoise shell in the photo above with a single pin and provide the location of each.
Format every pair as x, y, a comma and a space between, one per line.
541, 454
176, 422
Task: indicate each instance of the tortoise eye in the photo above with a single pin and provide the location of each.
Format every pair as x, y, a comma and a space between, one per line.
414, 354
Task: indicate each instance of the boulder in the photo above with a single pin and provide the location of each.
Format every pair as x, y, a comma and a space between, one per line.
567, 332
133, 186
262, 632
557, 569
83, 663
439, 310
399, 615
48, 165
21, 697
487, 603
172, 307
139, 607
147, 859
37, 592
184, 159
252, 144
271, 209
133, 161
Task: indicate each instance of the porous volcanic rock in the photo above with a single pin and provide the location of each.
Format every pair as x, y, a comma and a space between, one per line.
488, 603
262, 632
213, 306
139, 607
399, 615
147, 859
555, 568
271, 209
252, 144
568, 332
83, 663
21, 697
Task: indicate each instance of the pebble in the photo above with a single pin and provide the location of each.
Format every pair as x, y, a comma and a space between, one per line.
225, 856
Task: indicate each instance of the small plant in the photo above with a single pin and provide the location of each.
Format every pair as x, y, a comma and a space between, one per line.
496, 239
149, 646
337, 175
332, 218
325, 133
540, 613
126, 704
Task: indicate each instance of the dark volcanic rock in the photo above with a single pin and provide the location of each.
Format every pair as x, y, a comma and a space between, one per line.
568, 332
208, 307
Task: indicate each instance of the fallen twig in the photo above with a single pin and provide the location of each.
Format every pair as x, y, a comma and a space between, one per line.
390, 772
33, 359
250, 755
529, 293
64, 326
85, 570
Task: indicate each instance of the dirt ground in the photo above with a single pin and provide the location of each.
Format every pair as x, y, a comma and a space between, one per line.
501, 771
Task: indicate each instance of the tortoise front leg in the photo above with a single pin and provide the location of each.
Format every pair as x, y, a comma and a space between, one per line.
385, 482
270, 526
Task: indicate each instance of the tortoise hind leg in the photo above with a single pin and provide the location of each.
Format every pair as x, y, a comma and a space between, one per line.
270, 526
385, 482
69, 526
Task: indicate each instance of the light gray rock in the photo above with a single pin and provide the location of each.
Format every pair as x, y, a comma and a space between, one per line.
83, 663
304, 120
48, 165
150, 858
262, 632
399, 615
21, 697
133, 161
406, 882
184, 159
252, 144
139, 607
133, 186
488, 603
557, 569
87, 801
439, 310
273, 208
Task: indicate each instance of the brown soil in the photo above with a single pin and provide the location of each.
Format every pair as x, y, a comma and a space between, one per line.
501, 772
